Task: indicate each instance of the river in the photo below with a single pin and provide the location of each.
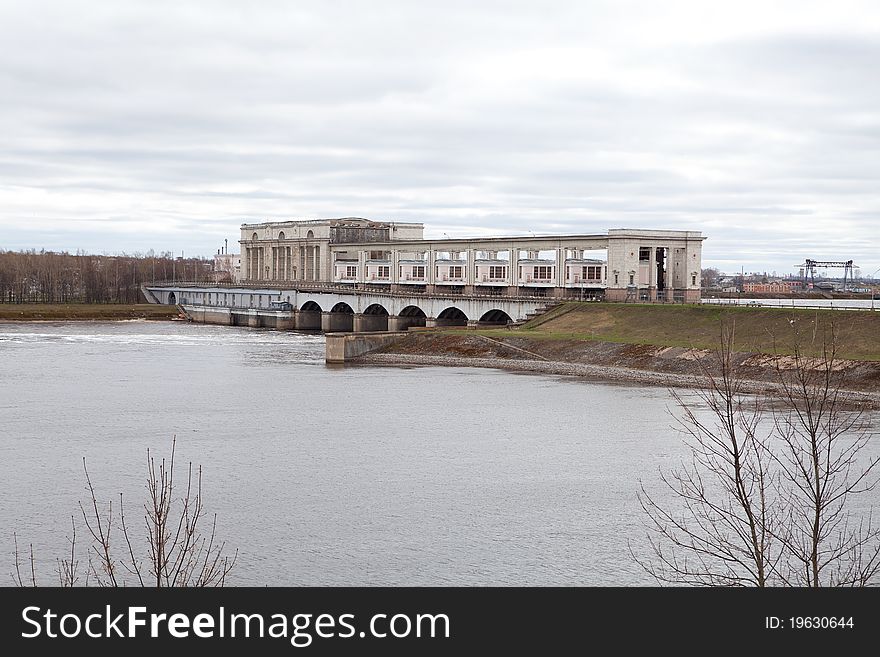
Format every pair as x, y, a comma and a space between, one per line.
332, 475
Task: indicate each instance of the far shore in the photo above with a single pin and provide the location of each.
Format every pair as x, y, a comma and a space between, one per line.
55, 312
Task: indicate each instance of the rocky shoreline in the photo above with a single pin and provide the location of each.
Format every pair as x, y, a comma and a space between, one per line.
585, 370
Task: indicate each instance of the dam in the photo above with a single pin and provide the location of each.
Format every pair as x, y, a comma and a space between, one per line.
357, 275
339, 309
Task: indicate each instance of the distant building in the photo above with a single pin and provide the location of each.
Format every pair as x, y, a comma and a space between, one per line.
775, 287
227, 268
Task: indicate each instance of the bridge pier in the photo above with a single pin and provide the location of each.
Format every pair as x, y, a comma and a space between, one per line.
253, 320
397, 323
308, 320
337, 322
367, 323
447, 321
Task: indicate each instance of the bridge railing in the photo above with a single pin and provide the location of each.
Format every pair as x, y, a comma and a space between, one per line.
367, 289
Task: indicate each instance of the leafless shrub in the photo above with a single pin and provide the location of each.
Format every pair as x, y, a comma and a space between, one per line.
178, 552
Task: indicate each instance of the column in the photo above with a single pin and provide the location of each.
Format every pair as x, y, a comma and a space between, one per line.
470, 275
319, 275
513, 272
395, 270
560, 272
362, 266
430, 271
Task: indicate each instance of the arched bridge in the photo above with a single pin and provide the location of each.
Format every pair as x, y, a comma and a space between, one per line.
335, 309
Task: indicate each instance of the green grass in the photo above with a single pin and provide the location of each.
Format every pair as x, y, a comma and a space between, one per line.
763, 330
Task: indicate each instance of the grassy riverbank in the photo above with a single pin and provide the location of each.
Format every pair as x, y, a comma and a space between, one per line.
84, 311
666, 345
758, 330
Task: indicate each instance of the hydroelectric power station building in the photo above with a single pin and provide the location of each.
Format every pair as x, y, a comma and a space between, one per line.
640, 264
356, 274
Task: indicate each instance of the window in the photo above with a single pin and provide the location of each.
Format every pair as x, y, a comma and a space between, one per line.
351, 271
281, 235
383, 271
644, 253
456, 271
616, 279
418, 271
592, 273
497, 272
543, 273
632, 279
693, 279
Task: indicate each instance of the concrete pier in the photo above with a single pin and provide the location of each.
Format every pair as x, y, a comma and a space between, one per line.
308, 320
345, 346
337, 322
398, 323
369, 323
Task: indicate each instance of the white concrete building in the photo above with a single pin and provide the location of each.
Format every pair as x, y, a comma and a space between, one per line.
638, 264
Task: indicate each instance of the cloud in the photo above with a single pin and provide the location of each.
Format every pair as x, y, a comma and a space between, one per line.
137, 125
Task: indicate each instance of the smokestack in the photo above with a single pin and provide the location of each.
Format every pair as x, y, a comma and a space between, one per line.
226, 247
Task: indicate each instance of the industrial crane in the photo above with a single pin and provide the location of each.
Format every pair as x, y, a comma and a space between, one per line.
810, 267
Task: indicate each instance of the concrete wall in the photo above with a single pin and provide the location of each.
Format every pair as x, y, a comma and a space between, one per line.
345, 346
241, 317
208, 315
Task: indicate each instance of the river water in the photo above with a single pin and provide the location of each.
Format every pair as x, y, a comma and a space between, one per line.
332, 475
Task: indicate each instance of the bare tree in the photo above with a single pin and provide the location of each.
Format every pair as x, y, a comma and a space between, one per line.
767, 497
724, 532
178, 553
709, 277
49, 277
822, 434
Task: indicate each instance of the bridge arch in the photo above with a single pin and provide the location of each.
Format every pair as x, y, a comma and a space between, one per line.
495, 316
412, 311
373, 318
309, 317
452, 316
172, 299
407, 317
339, 319
376, 309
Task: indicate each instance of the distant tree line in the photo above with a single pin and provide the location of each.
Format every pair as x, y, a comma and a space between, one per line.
50, 277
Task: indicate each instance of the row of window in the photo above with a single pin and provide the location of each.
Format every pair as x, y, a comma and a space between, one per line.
540, 272
418, 271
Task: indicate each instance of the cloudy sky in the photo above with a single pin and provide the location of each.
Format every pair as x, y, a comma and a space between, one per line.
129, 126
